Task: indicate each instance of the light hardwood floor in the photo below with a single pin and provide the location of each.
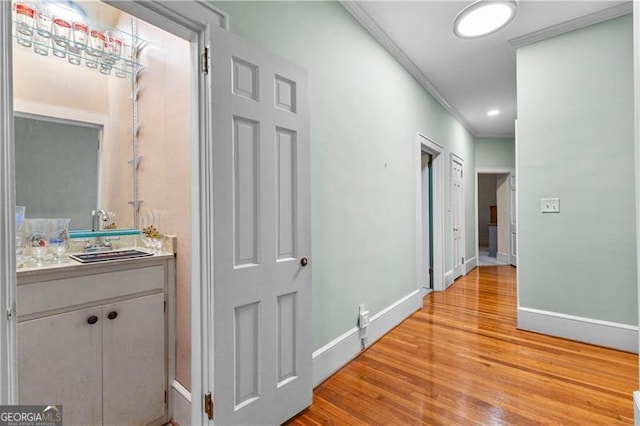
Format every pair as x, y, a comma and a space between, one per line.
460, 360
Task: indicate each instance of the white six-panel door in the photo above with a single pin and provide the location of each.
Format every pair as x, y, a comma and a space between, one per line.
457, 216
262, 264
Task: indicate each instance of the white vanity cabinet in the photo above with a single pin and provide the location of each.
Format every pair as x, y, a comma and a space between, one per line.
95, 338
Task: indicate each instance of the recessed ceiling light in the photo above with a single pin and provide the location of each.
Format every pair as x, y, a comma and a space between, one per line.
484, 17
493, 112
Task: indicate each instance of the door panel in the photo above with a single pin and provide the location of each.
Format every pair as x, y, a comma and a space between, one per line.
457, 216
262, 292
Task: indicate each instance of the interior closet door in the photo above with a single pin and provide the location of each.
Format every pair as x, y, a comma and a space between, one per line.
457, 215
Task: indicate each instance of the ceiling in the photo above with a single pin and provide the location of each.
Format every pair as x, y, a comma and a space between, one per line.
472, 76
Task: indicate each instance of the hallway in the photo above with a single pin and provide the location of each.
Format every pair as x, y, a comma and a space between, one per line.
460, 360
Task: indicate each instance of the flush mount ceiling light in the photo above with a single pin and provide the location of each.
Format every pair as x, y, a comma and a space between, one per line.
493, 112
484, 17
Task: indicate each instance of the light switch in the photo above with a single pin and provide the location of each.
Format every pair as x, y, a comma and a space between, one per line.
550, 205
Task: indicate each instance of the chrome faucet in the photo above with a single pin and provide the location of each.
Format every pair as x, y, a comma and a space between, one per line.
99, 217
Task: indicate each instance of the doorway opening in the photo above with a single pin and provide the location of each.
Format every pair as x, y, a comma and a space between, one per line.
430, 167
147, 145
427, 222
493, 217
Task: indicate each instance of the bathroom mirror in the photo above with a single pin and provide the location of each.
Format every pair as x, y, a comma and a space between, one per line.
58, 106
56, 166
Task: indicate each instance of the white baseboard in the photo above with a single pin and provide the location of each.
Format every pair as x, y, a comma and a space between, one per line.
448, 279
335, 354
181, 399
603, 333
636, 408
503, 258
329, 358
471, 264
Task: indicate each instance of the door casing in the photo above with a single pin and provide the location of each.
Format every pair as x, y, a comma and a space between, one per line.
425, 144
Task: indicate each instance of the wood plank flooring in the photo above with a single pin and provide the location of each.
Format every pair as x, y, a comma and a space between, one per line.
460, 360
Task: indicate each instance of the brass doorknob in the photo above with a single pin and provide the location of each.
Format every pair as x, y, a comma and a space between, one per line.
304, 261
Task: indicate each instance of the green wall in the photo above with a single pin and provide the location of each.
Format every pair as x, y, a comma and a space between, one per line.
495, 152
365, 111
575, 142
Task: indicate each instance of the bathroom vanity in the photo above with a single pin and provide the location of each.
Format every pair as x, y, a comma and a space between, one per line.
98, 339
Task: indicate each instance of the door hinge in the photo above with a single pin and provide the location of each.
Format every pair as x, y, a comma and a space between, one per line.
205, 61
208, 405
9, 313
463, 260
165, 306
165, 397
430, 271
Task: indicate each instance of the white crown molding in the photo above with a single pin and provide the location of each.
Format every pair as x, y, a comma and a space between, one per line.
574, 24
383, 38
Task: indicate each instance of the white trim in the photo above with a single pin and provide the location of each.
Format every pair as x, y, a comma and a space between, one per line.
493, 170
47, 111
181, 400
636, 408
8, 344
181, 390
597, 332
503, 258
383, 38
337, 353
448, 278
182, 18
425, 144
572, 25
470, 264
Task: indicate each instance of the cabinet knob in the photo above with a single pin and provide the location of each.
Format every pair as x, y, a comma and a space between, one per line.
92, 319
304, 261
112, 315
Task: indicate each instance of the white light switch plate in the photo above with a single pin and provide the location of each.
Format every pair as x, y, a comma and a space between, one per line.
550, 205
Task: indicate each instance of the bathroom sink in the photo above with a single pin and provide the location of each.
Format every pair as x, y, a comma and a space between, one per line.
109, 255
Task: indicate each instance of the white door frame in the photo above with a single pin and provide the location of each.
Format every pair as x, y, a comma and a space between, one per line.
492, 171
188, 20
424, 144
8, 344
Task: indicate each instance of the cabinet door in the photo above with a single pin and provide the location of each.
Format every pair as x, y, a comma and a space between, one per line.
133, 341
59, 362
